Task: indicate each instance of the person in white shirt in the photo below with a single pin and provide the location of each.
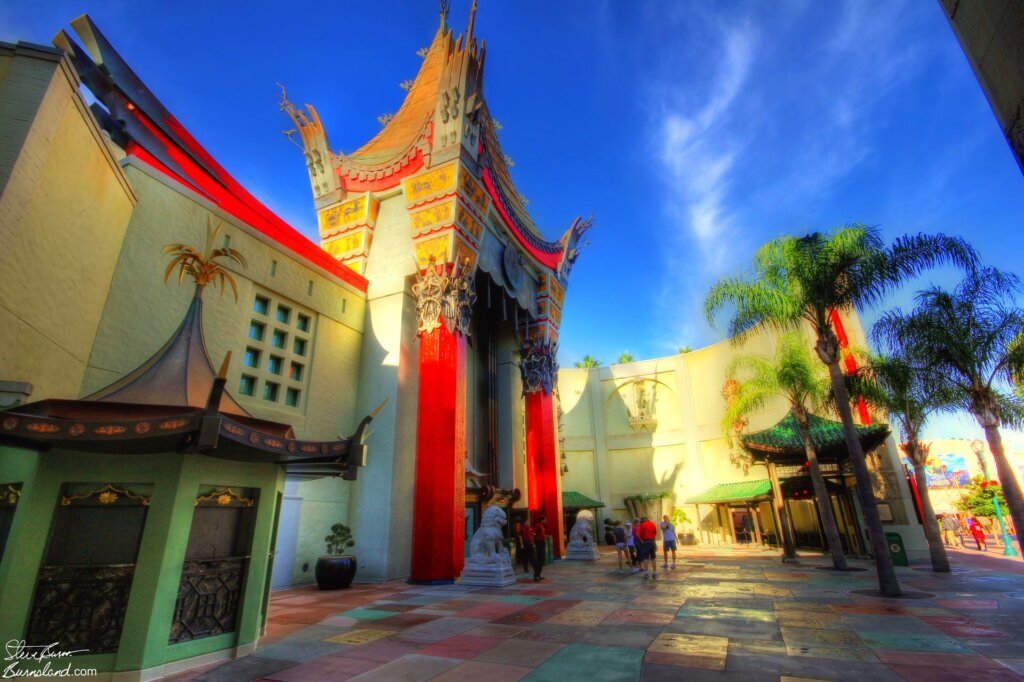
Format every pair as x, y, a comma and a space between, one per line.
668, 536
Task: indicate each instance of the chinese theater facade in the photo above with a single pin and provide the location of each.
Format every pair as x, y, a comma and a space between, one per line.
163, 497
463, 310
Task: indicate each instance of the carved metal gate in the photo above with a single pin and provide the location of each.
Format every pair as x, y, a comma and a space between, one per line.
83, 587
213, 576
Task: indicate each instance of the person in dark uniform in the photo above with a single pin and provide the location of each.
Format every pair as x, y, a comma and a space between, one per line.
540, 543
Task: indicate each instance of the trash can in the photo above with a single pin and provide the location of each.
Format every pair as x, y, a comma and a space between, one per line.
897, 550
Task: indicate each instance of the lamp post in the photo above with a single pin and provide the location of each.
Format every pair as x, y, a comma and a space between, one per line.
979, 449
1008, 543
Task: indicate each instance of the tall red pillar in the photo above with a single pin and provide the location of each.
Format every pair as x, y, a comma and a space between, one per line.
543, 475
438, 542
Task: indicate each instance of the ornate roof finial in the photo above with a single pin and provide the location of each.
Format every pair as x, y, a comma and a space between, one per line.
472, 20
445, 4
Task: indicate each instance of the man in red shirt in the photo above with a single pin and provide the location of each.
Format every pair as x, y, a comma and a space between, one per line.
648, 532
540, 545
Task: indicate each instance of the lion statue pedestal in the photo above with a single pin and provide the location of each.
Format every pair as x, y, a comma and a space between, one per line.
489, 564
581, 545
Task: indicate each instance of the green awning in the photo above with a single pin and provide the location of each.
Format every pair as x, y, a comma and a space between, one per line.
574, 500
733, 492
782, 441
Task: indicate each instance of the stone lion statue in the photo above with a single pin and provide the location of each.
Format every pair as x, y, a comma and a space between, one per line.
581, 530
486, 544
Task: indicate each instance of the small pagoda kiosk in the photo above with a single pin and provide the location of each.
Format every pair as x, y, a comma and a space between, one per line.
781, 450
146, 512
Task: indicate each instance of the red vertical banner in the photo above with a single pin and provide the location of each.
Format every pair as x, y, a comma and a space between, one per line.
439, 531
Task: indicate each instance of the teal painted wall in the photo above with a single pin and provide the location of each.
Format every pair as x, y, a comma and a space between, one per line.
175, 479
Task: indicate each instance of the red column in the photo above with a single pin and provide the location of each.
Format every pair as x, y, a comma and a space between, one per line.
439, 506
543, 478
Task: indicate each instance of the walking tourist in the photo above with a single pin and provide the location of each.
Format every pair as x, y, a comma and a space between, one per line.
540, 544
620, 544
951, 530
526, 541
632, 545
668, 541
649, 548
979, 533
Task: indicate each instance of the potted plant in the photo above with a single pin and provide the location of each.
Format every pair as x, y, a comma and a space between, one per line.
336, 570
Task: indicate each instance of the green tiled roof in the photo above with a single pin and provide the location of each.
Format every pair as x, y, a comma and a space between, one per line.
733, 492
783, 440
574, 500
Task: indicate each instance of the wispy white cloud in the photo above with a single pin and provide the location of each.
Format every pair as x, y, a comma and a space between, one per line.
789, 105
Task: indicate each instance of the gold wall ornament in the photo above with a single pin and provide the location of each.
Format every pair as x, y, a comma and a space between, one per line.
11, 495
642, 417
109, 494
225, 497
204, 267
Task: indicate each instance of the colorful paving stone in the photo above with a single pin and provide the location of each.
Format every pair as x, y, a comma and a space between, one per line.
361, 636
739, 615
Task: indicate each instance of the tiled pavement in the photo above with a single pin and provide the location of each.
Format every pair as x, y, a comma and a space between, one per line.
720, 614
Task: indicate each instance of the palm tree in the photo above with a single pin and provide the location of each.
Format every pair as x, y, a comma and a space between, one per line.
972, 336
625, 357
791, 375
588, 362
807, 279
684, 350
204, 267
899, 385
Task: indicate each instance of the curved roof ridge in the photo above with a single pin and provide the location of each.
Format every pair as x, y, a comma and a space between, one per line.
401, 135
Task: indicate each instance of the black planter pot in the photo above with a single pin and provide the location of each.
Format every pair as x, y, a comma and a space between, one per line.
335, 572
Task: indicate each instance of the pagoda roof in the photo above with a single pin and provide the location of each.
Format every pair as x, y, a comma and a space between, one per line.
574, 500
736, 491
782, 442
175, 402
180, 373
401, 137
452, 67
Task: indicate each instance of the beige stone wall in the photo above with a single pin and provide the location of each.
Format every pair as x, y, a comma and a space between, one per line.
685, 452
142, 312
64, 208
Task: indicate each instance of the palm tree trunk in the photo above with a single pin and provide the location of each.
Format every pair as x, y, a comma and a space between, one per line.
887, 582
1007, 479
937, 550
828, 519
781, 517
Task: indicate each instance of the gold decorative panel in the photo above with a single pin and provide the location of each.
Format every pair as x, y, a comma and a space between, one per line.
430, 184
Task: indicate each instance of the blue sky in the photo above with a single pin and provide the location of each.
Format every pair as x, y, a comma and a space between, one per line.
693, 132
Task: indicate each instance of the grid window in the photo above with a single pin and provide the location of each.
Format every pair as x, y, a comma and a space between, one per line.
277, 351
270, 391
252, 357
274, 364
